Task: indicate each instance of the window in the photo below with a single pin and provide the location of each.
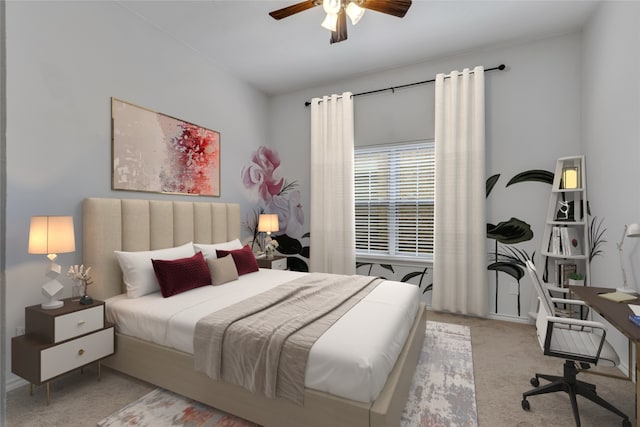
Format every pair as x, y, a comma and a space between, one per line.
394, 200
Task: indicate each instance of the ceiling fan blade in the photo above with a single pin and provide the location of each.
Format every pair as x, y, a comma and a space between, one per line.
390, 7
340, 34
293, 9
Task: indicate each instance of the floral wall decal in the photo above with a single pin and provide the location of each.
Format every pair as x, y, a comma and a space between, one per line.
511, 260
400, 273
274, 194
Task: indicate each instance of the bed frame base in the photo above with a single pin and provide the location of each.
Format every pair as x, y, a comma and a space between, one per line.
173, 370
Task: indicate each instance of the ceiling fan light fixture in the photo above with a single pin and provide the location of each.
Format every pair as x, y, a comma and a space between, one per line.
331, 7
330, 22
354, 12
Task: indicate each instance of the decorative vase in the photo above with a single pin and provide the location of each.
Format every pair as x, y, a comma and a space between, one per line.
76, 290
269, 252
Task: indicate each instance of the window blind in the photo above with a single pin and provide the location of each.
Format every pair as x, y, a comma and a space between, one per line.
394, 200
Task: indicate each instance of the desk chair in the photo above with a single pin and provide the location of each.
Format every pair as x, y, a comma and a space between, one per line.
576, 341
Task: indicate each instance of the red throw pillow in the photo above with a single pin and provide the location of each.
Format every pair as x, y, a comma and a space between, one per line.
244, 259
182, 274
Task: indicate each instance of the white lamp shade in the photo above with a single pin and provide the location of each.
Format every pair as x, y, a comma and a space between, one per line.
268, 223
330, 22
51, 235
633, 230
354, 12
331, 7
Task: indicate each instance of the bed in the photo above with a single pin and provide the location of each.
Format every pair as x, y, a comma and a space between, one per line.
140, 225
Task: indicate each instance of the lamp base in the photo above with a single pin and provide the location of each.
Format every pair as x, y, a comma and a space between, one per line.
627, 290
52, 304
50, 289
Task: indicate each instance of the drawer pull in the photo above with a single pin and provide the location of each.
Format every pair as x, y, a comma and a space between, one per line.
80, 352
81, 322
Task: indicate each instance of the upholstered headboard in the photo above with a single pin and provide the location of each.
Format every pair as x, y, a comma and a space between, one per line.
142, 225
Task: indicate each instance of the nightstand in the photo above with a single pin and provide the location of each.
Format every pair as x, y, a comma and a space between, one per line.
60, 340
278, 262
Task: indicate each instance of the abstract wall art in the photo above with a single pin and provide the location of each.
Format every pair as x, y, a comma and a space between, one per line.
157, 153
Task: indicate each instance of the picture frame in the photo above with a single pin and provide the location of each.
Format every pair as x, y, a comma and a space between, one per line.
154, 152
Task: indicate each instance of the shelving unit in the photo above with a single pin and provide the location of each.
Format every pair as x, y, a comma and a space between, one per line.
565, 240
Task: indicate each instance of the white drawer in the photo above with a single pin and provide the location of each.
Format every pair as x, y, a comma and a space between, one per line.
279, 264
78, 323
70, 355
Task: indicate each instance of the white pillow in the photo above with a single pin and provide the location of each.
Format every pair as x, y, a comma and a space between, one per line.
137, 269
209, 250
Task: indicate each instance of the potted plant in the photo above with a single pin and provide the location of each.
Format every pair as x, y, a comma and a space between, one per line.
576, 279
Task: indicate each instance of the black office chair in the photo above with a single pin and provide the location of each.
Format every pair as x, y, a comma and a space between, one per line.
575, 340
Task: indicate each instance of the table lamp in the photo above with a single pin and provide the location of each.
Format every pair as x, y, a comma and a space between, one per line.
632, 230
51, 235
266, 224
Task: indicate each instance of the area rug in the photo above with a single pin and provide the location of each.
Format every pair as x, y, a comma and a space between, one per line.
442, 392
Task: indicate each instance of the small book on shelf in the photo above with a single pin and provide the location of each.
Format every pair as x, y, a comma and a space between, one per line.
555, 245
564, 271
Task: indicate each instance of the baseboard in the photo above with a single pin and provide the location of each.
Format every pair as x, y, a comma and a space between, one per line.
507, 318
15, 382
503, 317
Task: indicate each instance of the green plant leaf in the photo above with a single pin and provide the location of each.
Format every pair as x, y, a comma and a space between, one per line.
510, 232
538, 175
411, 275
288, 245
305, 252
491, 182
388, 267
296, 264
596, 237
511, 269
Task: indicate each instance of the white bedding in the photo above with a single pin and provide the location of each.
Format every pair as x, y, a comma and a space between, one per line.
351, 360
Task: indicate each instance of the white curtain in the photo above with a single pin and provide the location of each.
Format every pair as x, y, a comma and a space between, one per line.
460, 275
332, 241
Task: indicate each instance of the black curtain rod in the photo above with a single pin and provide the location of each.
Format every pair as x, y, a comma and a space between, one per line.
393, 88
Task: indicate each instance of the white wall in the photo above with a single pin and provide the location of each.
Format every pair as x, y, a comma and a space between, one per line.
611, 138
3, 177
64, 62
533, 117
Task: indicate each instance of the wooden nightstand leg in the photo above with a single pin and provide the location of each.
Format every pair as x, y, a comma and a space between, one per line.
30, 389
48, 394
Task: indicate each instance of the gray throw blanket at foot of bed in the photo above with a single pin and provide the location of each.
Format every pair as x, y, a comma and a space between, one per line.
263, 343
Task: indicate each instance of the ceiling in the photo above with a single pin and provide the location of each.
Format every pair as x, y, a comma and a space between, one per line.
293, 53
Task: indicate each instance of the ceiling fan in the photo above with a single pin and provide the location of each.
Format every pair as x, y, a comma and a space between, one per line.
338, 10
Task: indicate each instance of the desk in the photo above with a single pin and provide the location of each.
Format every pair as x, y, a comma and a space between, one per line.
617, 314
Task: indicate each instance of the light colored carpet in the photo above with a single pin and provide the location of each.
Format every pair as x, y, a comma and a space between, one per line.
442, 392
505, 357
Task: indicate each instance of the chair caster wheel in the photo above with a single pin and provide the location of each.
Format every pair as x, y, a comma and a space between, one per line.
535, 382
525, 404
